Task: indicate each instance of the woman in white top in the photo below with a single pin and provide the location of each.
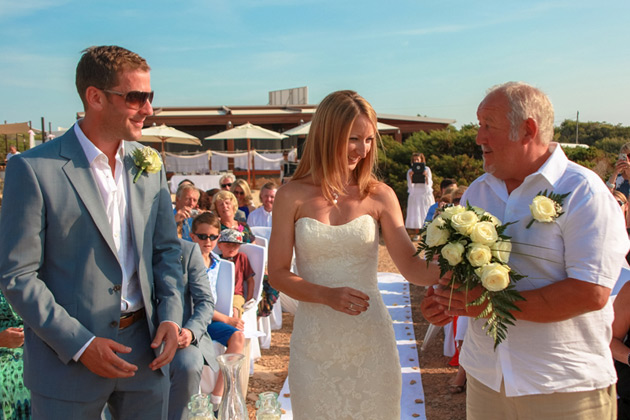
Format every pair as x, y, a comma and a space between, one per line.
420, 189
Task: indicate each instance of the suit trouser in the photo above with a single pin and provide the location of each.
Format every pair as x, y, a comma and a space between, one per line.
185, 374
483, 403
143, 396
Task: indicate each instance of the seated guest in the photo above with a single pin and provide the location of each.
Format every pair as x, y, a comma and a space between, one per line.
447, 183
224, 205
262, 215
229, 243
194, 344
205, 201
243, 195
226, 182
14, 396
225, 329
186, 202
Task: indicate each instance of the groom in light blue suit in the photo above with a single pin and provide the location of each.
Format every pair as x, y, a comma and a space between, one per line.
90, 257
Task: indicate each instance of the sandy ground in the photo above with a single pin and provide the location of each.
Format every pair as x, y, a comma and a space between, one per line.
271, 369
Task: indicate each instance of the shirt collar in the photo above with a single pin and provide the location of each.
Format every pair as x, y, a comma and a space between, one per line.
551, 171
90, 150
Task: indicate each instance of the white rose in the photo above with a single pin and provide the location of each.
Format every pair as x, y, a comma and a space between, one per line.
478, 255
450, 211
484, 233
153, 159
494, 276
495, 220
436, 236
501, 251
464, 222
479, 211
453, 253
544, 209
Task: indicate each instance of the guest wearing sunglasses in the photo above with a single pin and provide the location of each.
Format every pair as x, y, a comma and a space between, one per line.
243, 194
227, 330
226, 182
90, 257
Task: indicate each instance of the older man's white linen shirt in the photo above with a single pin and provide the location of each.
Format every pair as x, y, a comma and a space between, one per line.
588, 243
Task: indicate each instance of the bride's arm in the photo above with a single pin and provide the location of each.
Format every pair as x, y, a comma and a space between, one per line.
397, 241
281, 253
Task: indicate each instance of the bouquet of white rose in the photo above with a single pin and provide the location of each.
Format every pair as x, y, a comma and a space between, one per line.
469, 242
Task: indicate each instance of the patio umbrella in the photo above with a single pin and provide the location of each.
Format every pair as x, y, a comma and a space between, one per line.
247, 131
302, 130
164, 133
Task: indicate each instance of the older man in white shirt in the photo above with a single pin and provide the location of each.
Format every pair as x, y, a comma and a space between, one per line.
262, 215
555, 361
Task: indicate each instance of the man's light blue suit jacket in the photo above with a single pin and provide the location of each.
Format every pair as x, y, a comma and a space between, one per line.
59, 267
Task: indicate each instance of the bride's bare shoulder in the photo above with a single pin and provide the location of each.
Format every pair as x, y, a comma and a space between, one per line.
297, 189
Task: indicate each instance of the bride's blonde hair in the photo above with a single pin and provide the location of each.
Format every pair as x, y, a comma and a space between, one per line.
326, 148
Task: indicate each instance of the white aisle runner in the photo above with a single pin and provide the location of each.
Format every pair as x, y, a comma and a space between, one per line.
395, 291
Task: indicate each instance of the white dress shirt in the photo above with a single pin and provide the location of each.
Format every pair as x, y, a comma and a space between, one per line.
113, 190
259, 217
588, 243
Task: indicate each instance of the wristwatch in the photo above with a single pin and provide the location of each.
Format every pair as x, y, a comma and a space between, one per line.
610, 184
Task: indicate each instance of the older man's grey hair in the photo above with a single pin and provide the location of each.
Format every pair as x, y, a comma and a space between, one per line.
525, 102
184, 188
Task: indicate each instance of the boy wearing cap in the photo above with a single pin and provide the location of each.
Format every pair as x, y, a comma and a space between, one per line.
229, 243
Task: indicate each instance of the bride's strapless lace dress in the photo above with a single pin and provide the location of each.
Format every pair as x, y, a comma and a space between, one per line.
342, 366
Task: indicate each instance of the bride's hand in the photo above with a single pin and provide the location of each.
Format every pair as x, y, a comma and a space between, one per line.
348, 300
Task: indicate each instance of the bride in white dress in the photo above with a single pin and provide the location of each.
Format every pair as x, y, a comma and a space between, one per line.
344, 363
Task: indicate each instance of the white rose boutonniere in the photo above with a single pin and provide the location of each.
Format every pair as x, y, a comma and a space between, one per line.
146, 159
546, 207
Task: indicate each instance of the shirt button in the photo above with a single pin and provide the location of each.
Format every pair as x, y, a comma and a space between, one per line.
117, 288
113, 324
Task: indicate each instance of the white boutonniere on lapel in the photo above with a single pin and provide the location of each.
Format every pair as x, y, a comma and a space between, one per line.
146, 159
546, 207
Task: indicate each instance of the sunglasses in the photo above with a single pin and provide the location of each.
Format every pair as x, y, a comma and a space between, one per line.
204, 237
239, 193
134, 99
228, 185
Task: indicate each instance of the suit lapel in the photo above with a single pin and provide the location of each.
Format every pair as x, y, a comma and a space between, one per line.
136, 196
78, 171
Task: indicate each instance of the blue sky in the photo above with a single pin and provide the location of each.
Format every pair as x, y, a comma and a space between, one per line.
433, 58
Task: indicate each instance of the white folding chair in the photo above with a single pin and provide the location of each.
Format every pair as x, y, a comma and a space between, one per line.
262, 241
257, 256
262, 231
273, 321
225, 297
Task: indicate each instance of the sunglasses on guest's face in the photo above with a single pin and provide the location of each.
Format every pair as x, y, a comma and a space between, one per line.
134, 99
203, 237
236, 192
226, 185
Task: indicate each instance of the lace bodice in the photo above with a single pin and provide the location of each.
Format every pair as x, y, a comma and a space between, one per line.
342, 366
